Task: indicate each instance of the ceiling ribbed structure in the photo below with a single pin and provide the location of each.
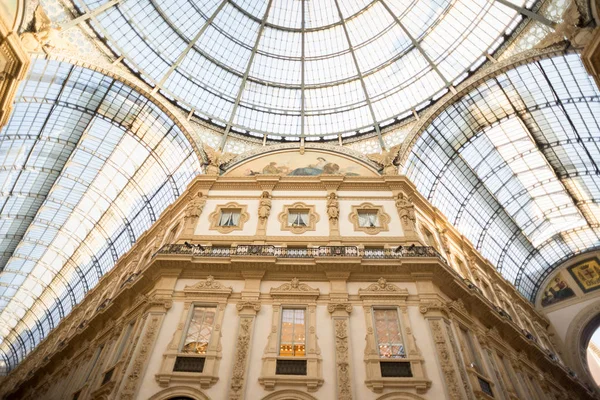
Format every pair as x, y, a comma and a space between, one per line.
299, 68
88, 164
514, 165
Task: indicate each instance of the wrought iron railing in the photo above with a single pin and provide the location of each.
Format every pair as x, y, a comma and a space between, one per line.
283, 252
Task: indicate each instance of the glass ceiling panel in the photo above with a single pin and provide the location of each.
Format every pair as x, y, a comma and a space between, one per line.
513, 165
204, 54
88, 164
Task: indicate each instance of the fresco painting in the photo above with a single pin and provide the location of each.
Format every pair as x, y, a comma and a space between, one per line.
311, 163
556, 290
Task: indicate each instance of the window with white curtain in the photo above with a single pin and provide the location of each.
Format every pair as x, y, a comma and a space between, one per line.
298, 218
368, 218
229, 217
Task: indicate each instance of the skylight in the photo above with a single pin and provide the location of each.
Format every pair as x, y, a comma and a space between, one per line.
303, 67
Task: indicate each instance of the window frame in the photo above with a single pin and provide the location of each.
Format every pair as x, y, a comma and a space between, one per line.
279, 343
400, 330
382, 217
205, 293
384, 295
313, 218
215, 217
293, 295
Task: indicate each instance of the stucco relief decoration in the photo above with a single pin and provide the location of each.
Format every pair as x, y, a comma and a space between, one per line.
406, 210
253, 305
208, 286
293, 286
195, 206
241, 357
386, 159
43, 36
140, 361
342, 359
216, 158
445, 357
381, 286
264, 208
570, 29
333, 208
345, 306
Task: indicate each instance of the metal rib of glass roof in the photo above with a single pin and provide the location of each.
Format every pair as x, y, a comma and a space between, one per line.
514, 165
290, 68
87, 165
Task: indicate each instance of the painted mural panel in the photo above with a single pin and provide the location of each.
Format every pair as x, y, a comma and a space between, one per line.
292, 163
587, 274
556, 290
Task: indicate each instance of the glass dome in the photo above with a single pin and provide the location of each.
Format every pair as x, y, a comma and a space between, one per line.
293, 68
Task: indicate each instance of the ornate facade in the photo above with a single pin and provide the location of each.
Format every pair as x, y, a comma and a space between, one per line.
199, 310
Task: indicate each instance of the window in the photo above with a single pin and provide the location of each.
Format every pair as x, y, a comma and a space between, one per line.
429, 239
194, 353
199, 330
292, 355
123, 342
471, 354
293, 333
388, 334
392, 357
172, 233
229, 217
298, 218
368, 219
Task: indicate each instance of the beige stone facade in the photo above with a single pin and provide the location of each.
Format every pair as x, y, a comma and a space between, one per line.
464, 332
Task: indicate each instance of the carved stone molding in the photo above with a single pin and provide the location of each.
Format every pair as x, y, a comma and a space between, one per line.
248, 305
293, 294
342, 306
295, 289
445, 358
384, 295
208, 288
382, 290
342, 358
242, 348
141, 359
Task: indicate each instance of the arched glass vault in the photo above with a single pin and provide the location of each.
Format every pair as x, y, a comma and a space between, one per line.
298, 68
514, 165
87, 164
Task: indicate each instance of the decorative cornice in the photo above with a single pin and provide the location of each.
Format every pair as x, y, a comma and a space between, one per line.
294, 288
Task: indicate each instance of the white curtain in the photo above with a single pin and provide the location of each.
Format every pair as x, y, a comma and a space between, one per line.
229, 218
298, 219
368, 219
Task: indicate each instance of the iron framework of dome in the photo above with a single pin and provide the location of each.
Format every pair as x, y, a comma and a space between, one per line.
302, 68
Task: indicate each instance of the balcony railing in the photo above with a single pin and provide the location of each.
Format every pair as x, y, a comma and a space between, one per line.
283, 252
